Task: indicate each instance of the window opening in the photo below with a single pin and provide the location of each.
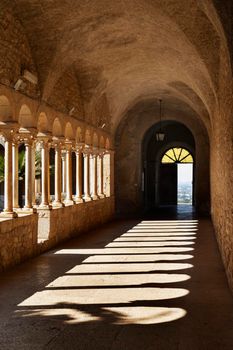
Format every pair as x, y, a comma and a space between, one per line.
177, 155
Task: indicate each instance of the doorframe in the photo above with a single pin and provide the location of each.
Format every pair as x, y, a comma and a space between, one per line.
162, 151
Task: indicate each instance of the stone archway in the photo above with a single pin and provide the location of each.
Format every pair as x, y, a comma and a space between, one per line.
176, 135
130, 141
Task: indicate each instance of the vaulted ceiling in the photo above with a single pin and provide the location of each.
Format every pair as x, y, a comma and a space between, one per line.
130, 50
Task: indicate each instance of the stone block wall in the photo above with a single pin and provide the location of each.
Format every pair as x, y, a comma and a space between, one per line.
30, 235
15, 53
222, 189
57, 225
18, 240
66, 94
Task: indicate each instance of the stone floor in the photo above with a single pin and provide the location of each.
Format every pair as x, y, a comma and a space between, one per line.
129, 285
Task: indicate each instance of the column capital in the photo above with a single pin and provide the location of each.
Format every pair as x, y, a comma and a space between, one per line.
87, 150
44, 136
68, 144
8, 130
26, 135
63, 153
110, 151
79, 146
95, 150
102, 152
43, 139
16, 140
58, 141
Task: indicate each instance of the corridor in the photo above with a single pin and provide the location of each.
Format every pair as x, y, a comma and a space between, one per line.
128, 285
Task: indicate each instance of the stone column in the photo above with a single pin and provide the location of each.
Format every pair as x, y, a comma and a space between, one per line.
8, 193
86, 155
28, 174
58, 176
44, 175
101, 175
94, 175
33, 174
49, 189
15, 173
68, 200
26, 135
78, 196
63, 157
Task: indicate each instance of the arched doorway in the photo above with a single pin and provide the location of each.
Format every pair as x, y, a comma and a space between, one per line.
138, 155
176, 171
162, 166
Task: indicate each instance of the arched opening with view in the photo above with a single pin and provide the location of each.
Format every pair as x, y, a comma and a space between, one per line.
176, 177
173, 169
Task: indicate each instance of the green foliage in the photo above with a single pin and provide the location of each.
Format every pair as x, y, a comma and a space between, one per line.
37, 164
22, 166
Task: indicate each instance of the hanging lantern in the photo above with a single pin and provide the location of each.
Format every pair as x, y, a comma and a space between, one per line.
160, 134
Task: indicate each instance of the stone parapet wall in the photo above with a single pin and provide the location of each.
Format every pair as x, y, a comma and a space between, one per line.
57, 225
18, 240
29, 235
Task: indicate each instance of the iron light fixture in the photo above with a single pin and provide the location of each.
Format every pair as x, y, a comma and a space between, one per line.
160, 134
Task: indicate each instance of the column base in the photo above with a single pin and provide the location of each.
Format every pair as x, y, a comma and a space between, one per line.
44, 207
101, 195
78, 200
68, 202
87, 198
16, 210
58, 204
27, 210
95, 197
8, 214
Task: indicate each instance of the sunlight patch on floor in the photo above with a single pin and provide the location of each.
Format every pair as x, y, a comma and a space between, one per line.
115, 280
102, 251
115, 315
110, 282
102, 296
132, 267
136, 258
147, 244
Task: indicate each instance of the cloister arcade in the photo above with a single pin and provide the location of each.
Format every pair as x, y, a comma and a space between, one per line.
82, 162
93, 94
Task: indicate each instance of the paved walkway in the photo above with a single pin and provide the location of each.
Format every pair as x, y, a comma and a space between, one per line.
129, 285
